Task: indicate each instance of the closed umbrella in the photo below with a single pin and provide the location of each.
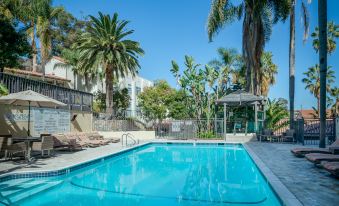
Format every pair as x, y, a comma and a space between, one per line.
31, 99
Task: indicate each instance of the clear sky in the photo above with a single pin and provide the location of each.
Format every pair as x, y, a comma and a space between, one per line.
168, 30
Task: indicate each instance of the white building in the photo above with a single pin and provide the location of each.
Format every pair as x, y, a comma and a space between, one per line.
135, 85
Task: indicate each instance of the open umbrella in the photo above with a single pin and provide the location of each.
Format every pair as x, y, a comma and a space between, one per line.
31, 99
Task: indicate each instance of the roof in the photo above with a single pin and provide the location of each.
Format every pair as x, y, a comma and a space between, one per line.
35, 74
240, 97
309, 113
59, 59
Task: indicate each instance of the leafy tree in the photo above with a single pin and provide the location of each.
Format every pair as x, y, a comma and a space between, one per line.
104, 44
154, 101
275, 114
67, 30
312, 81
177, 107
258, 18
332, 35
13, 44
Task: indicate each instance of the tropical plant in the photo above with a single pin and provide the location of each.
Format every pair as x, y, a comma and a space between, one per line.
276, 114
312, 81
258, 18
104, 45
3, 90
229, 61
267, 72
332, 35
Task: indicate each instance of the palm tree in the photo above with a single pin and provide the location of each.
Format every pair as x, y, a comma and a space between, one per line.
227, 63
211, 76
259, 16
44, 30
305, 18
332, 35
312, 81
267, 72
275, 114
104, 45
322, 22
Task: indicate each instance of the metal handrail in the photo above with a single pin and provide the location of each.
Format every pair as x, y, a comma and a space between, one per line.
131, 137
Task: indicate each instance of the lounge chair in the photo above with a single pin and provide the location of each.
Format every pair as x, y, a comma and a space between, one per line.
301, 152
332, 167
62, 142
84, 139
317, 158
46, 144
8, 149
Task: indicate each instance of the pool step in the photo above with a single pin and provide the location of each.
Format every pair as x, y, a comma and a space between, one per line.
18, 192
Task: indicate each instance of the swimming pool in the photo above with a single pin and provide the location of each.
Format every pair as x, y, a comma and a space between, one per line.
153, 174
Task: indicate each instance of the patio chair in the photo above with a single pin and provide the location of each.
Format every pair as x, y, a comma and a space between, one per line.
317, 158
46, 144
301, 152
97, 136
288, 136
331, 167
9, 149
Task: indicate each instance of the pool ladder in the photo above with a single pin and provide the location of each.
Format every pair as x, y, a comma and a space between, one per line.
126, 137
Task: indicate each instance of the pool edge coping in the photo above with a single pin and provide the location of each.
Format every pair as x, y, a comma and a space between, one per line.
66, 169
286, 196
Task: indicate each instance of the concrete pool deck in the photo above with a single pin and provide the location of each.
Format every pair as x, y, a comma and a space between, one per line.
309, 184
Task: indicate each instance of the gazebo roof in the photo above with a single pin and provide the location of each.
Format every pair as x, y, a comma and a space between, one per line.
240, 97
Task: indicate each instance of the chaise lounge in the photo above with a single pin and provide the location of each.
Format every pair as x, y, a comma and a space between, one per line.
301, 152
317, 158
331, 167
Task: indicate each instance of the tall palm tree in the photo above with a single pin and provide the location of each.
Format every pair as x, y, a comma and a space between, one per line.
259, 16
322, 23
332, 35
104, 45
313, 84
267, 72
45, 18
291, 58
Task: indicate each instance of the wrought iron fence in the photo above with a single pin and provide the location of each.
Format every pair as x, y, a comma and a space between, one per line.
115, 125
75, 100
311, 131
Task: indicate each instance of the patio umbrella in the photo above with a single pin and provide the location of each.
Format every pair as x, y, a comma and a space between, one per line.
31, 99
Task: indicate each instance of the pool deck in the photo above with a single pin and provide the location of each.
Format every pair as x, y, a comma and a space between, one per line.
309, 184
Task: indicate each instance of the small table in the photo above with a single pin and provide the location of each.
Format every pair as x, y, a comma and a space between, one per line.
29, 142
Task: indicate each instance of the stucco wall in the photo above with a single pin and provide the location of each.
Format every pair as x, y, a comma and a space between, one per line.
19, 126
82, 122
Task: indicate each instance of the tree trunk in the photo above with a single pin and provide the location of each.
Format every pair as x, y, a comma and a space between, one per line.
253, 43
109, 90
34, 51
322, 21
292, 64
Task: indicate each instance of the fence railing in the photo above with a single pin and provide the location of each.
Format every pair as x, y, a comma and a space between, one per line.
75, 100
311, 131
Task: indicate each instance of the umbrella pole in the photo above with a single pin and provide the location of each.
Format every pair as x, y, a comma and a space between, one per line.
29, 118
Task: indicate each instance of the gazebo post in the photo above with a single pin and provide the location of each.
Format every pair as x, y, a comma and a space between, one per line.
225, 120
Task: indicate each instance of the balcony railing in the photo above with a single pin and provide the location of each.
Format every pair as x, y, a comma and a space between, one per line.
75, 100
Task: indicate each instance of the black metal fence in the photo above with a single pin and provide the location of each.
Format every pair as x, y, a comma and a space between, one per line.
308, 130
75, 100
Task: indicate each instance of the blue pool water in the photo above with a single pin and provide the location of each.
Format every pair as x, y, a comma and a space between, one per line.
154, 174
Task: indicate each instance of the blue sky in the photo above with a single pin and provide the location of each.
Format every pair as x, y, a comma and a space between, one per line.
168, 30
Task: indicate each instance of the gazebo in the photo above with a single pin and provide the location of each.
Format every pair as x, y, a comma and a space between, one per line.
241, 98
